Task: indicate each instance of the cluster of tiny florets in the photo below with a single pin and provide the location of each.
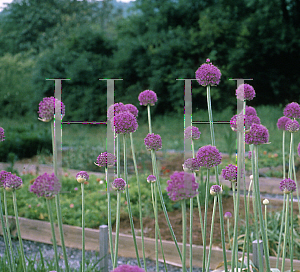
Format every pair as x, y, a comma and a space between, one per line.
1, 134
287, 186
3, 176
114, 110
191, 164
132, 109
227, 215
153, 142
250, 111
47, 108
192, 132
281, 122
292, 110
208, 156
181, 186
82, 176
151, 179
240, 121
147, 97
12, 182
230, 173
119, 184
106, 160
245, 92
125, 123
46, 185
292, 126
258, 134
215, 190
208, 74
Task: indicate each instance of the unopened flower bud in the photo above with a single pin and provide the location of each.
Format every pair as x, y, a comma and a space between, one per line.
266, 202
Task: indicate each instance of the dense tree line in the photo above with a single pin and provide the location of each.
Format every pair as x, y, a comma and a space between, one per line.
157, 43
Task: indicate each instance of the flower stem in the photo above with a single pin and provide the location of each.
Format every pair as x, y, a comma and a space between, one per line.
191, 234
83, 226
283, 154
228, 230
149, 118
183, 207
154, 202
109, 219
140, 201
281, 230
211, 232
285, 232
292, 235
48, 201
205, 220
128, 202
117, 228
266, 230
18, 230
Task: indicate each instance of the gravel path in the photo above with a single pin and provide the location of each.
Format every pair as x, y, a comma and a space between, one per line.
74, 256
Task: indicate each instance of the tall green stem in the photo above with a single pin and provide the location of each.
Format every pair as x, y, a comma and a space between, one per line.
154, 202
283, 154
285, 232
281, 230
109, 218
266, 230
205, 220
183, 207
117, 228
191, 234
18, 230
292, 235
53, 234
83, 226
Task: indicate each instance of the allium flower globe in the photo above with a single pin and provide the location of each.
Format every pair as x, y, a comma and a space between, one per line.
292, 126
125, 123
208, 74
128, 268
245, 92
292, 110
250, 111
258, 134
3, 176
192, 132
106, 160
47, 108
12, 182
281, 122
46, 186
119, 184
114, 110
82, 176
1, 134
215, 190
239, 121
132, 109
147, 97
208, 156
191, 164
151, 179
230, 173
287, 186
153, 142
227, 215
181, 186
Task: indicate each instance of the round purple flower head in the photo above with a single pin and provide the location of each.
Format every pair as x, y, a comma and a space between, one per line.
208, 156
292, 126
3, 176
192, 132
1, 134
181, 186
128, 268
208, 74
258, 134
292, 110
227, 215
230, 173
147, 97
47, 108
215, 190
46, 186
151, 179
153, 142
245, 92
287, 186
132, 109
238, 121
125, 122
12, 182
119, 184
250, 111
282, 121
106, 160
114, 110
191, 164
82, 176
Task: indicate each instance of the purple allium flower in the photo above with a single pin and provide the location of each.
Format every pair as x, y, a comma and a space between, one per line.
208, 156
230, 173
287, 186
227, 215
208, 74
282, 121
1, 134
128, 268
3, 176
253, 119
292, 110
238, 121
181, 186
147, 97
258, 134
47, 109
250, 155
245, 92
292, 126
153, 141
114, 110
191, 164
12, 182
192, 132
125, 122
132, 109
119, 184
250, 111
82, 176
106, 160
151, 179
215, 190
46, 185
